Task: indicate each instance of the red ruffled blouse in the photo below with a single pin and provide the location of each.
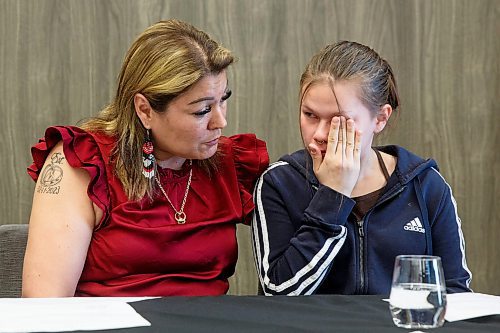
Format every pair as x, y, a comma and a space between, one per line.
138, 249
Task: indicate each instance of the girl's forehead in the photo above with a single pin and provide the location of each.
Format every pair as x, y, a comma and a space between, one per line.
341, 99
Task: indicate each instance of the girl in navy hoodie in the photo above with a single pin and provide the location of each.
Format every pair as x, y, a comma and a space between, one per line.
331, 218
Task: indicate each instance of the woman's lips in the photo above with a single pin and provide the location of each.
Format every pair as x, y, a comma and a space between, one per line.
212, 142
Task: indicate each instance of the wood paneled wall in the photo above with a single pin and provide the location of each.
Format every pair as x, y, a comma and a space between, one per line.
59, 60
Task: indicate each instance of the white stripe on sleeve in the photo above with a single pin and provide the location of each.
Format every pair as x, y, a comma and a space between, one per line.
459, 226
262, 258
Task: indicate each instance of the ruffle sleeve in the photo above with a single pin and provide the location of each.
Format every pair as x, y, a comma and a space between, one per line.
251, 160
81, 151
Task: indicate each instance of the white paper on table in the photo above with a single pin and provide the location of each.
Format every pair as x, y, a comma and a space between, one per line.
463, 306
68, 314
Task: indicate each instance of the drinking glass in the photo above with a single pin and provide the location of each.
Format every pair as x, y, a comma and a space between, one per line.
418, 293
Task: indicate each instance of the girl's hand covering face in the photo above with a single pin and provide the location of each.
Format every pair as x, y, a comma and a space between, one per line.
339, 168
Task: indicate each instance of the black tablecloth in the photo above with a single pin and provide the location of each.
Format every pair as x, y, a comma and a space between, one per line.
332, 313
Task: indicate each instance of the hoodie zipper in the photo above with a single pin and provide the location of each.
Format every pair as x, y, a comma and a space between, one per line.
361, 233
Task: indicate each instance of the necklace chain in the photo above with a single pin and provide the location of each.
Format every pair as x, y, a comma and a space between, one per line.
179, 216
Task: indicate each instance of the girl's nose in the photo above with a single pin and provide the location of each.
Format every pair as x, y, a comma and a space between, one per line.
321, 133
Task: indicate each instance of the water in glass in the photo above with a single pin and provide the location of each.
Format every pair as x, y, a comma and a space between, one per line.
418, 305
418, 293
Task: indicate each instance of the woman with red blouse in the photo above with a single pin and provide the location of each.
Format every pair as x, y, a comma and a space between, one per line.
143, 199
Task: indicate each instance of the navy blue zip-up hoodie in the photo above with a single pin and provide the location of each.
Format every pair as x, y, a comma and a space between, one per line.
306, 241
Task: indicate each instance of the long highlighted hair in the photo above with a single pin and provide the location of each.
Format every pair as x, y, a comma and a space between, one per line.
162, 63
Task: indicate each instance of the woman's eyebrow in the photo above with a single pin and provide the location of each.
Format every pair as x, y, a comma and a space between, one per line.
202, 99
209, 98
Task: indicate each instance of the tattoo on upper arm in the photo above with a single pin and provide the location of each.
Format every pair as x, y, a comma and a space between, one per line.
51, 175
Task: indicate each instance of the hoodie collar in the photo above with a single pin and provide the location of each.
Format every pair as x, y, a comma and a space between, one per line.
408, 164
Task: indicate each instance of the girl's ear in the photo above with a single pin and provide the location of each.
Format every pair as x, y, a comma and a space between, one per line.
143, 110
383, 116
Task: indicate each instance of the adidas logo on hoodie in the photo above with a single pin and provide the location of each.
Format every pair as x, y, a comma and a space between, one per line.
414, 225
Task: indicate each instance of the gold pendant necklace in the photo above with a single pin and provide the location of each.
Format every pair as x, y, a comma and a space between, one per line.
179, 216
